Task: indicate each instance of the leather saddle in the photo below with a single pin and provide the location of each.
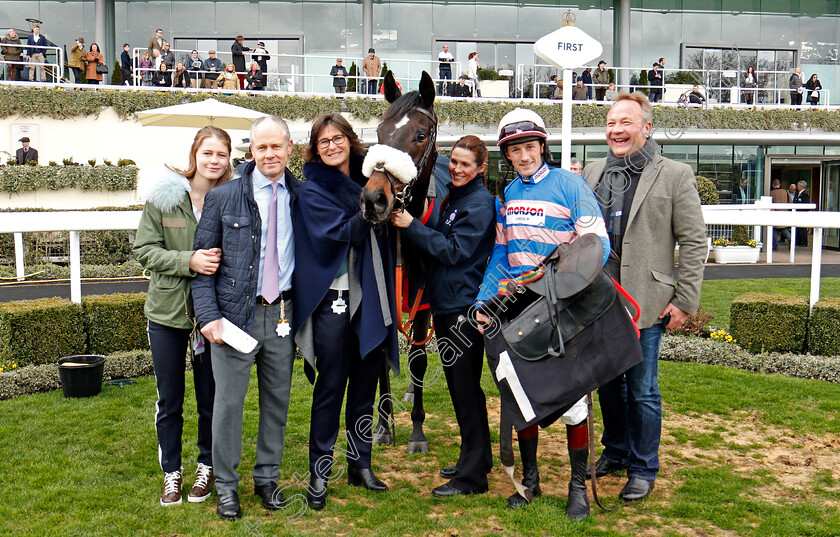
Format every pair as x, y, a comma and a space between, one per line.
568, 292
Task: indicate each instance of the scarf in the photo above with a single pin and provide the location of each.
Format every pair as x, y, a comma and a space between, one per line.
615, 181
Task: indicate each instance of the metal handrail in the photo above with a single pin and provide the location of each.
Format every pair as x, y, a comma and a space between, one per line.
56, 73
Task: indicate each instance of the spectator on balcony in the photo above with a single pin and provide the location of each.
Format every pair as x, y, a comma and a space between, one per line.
254, 78
157, 59
194, 65
76, 63
211, 67
795, 83
167, 56
655, 80
338, 72
445, 60
36, 54
695, 97
601, 77
162, 78
126, 65
611, 94
94, 58
156, 42
261, 56
238, 51
12, 52
586, 76
579, 92
472, 71
461, 89
144, 70
750, 83
228, 79
791, 192
26, 154
180, 78
557, 90
814, 86
372, 67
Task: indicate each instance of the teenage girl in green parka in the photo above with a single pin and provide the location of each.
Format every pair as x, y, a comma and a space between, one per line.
164, 246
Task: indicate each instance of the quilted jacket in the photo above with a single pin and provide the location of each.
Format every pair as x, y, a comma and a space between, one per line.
231, 221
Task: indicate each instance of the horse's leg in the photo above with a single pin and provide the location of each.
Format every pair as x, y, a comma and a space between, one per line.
417, 364
382, 432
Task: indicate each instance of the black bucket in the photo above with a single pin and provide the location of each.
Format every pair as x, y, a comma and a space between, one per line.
81, 375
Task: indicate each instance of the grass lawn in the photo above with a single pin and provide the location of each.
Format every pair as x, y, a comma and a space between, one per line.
717, 295
742, 454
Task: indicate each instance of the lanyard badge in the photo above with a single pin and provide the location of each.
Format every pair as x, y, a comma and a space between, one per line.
339, 306
283, 326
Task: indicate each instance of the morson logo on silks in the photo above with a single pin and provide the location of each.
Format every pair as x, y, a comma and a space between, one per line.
524, 213
568, 47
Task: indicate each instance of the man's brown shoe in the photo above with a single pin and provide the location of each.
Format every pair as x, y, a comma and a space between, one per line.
203, 485
171, 489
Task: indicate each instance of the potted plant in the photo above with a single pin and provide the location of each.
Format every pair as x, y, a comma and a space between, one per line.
739, 249
491, 84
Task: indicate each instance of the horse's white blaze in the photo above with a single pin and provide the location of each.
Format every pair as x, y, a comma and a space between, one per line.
401, 123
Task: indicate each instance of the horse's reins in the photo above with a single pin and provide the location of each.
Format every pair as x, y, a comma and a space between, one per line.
401, 200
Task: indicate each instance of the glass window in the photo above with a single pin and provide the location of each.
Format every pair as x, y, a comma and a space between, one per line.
681, 153
194, 19
486, 55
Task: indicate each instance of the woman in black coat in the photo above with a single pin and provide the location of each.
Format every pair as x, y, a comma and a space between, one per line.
814, 86
458, 248
162, 78
254, 77
344, 308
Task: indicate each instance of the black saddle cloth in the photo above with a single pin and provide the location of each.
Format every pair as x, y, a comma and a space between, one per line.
551, 385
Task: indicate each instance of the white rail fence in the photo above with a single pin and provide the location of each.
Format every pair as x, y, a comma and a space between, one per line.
761, 214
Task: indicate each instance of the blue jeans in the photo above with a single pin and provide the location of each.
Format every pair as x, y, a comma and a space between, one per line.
371, 86
632, 410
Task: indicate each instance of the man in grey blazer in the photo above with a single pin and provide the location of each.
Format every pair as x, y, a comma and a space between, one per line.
649, 204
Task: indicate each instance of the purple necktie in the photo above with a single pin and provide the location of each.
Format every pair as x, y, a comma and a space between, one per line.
271, 267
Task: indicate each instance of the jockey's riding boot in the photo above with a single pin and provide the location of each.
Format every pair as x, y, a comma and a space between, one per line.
530, 472
578, 506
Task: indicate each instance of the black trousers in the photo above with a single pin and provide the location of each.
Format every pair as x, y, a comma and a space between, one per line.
795, 98
340, 368
461, 349
169, 350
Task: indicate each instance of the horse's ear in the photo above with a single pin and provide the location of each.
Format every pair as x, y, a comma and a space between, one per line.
427, 90
392, 92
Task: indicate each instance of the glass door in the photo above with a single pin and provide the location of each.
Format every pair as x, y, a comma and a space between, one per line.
831, 199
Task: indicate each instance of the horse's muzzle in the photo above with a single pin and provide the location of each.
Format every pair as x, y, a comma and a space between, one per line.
375, 205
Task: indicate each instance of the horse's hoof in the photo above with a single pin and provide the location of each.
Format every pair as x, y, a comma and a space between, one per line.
408, 397
417, 447
382, 439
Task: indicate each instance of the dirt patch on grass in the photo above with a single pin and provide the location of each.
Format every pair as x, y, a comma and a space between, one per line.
752, 448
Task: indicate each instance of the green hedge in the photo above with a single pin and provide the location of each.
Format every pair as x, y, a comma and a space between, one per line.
824, 328
767, 323
50, 271
115, 322
41, 331
60, 104
16, 179
708, 351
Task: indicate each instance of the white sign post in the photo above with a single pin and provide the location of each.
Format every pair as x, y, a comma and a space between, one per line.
567, 48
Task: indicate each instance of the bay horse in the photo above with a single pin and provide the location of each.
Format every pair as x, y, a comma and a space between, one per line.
410, 126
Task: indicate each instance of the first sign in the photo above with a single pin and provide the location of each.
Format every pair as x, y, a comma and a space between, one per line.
568, 47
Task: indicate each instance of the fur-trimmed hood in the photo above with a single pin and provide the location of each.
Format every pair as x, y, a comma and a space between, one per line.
162, 187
